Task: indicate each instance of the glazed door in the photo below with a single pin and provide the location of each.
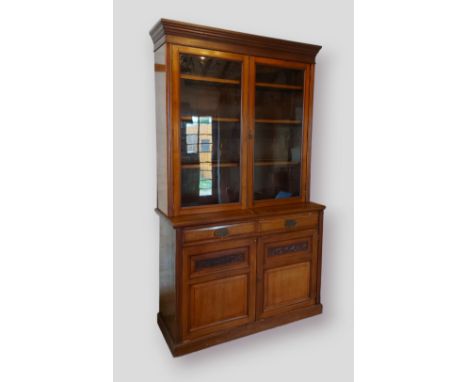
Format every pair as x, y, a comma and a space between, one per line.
280, 119
209, 101
287, 269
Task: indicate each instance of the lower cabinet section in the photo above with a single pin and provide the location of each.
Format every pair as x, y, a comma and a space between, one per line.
215, 288
235, 281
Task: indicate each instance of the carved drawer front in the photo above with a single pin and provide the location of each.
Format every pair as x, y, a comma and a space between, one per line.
291, 249
287, 223
218, 232
219, 283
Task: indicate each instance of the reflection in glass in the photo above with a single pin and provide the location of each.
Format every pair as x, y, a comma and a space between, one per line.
210, 96
210, 67
210, 162
198, 141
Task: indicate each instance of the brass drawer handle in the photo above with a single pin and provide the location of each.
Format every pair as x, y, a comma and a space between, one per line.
290, 223
221, 232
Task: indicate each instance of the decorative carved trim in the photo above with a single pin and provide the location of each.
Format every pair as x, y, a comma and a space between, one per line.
219, 261
167, 27
290, 248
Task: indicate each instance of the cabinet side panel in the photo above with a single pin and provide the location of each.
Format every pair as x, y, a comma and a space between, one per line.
167, 274
160, 69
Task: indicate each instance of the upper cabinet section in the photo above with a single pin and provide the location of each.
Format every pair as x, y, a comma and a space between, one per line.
233, 119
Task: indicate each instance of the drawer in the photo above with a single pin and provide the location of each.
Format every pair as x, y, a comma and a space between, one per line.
216, 232
298, 221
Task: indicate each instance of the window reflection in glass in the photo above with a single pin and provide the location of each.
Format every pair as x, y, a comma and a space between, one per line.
210, 109
199, 138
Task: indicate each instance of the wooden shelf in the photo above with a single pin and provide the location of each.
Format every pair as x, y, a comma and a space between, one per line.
215, 119
278, 86
209, 79
277, 163
213, 164
221, 119
279, 121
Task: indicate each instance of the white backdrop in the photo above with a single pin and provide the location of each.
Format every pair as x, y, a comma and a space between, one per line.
318, 348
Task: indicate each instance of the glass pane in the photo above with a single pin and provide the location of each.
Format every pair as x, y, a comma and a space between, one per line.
275, 75
278, 132
276, 182
210, 67
276, 103
206, 140
199, 98
210, 96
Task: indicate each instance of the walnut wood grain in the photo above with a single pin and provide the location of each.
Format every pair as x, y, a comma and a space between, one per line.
209, 79
277, 163
280, 121
289, 222
242, 214
286, 285
212, 232
278, 86
181, 348
220, 299
288, 282
201, 36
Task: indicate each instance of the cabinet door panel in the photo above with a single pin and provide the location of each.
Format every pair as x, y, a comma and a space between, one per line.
217, 301
287, 272
279, 110
219, 285
286, 285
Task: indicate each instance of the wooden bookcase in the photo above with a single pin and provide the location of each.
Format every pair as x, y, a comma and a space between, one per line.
240, 242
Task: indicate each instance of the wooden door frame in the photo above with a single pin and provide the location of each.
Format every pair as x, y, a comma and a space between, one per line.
306, 130
187, 282
313, 259
175, 51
